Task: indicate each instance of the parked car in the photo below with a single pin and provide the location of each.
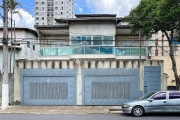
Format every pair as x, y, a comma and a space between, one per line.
163, 101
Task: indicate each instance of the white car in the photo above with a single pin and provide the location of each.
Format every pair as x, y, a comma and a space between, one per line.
163, 101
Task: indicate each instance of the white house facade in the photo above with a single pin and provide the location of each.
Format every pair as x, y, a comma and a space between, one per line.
24, 46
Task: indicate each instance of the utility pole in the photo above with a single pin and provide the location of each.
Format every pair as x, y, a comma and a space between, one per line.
5, 85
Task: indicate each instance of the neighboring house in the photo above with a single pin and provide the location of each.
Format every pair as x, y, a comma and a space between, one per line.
25, 42
47, 10
89, 60
158, 49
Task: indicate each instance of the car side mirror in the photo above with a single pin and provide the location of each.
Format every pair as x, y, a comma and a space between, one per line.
150, 100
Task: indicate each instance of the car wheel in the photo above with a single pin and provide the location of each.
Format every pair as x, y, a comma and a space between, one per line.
138, 111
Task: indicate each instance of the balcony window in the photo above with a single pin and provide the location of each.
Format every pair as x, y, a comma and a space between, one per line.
97, 40
108, 40
58, 44
86, 40
76, 40
92, 40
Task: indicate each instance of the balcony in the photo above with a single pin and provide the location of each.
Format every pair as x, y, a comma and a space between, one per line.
85, 50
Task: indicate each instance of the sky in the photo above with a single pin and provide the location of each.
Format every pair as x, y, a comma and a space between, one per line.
119, 7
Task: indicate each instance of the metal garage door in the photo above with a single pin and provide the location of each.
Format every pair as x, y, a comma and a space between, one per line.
152, 79
110, 86
48, 87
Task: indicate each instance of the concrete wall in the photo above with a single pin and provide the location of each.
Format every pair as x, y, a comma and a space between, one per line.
92, 28
79, 64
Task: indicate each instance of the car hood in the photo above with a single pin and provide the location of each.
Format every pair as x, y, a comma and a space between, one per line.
140, 102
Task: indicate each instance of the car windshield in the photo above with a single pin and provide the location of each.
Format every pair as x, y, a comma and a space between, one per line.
149, 95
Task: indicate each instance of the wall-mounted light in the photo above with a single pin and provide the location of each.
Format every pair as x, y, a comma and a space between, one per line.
173, 80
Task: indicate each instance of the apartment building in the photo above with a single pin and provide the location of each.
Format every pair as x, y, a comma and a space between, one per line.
46, 11
158, 49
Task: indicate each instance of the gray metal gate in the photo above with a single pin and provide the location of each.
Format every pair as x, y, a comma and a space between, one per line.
152, 79
110, 86
48, 87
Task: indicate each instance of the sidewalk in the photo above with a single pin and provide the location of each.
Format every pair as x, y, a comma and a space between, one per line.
62, 109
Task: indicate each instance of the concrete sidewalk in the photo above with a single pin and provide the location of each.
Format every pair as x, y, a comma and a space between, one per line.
62, 109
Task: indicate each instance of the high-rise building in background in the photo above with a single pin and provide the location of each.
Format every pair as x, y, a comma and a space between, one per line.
46, 11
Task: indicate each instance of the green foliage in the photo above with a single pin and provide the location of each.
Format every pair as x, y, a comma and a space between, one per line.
156, 15
152, 16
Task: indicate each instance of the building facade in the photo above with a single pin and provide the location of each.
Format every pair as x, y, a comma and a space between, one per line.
88, 60
24, 46
46, 11
158, 49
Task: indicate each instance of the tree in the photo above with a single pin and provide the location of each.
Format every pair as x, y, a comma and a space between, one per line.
12, 8
152, 16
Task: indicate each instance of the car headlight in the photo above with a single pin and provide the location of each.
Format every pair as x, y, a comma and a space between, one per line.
126, 106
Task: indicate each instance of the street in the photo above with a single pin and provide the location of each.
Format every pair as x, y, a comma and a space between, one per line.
163, 116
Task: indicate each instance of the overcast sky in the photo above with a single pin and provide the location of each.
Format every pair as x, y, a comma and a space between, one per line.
119, 7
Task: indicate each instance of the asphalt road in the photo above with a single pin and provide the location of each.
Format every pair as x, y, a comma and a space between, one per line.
164, 116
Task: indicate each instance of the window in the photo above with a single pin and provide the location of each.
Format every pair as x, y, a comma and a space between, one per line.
76, 40
37, 3
42, 18
159, 96
108, 40
56, 8
37, 18
58, 44
174, 95
175, 53
92, 40
28, 44
33, 47
37, 13
97, 40
42, 3
36, 8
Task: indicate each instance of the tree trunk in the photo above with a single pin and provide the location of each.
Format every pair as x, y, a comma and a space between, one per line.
174, 68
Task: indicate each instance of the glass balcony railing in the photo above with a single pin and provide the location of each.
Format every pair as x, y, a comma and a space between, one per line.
92, 50
54, 51
119, 51
129, 51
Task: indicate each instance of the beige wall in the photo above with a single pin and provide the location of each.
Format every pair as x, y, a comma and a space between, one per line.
167, 61
168, 67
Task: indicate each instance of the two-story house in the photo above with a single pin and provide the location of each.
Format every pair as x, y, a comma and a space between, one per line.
92, 59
